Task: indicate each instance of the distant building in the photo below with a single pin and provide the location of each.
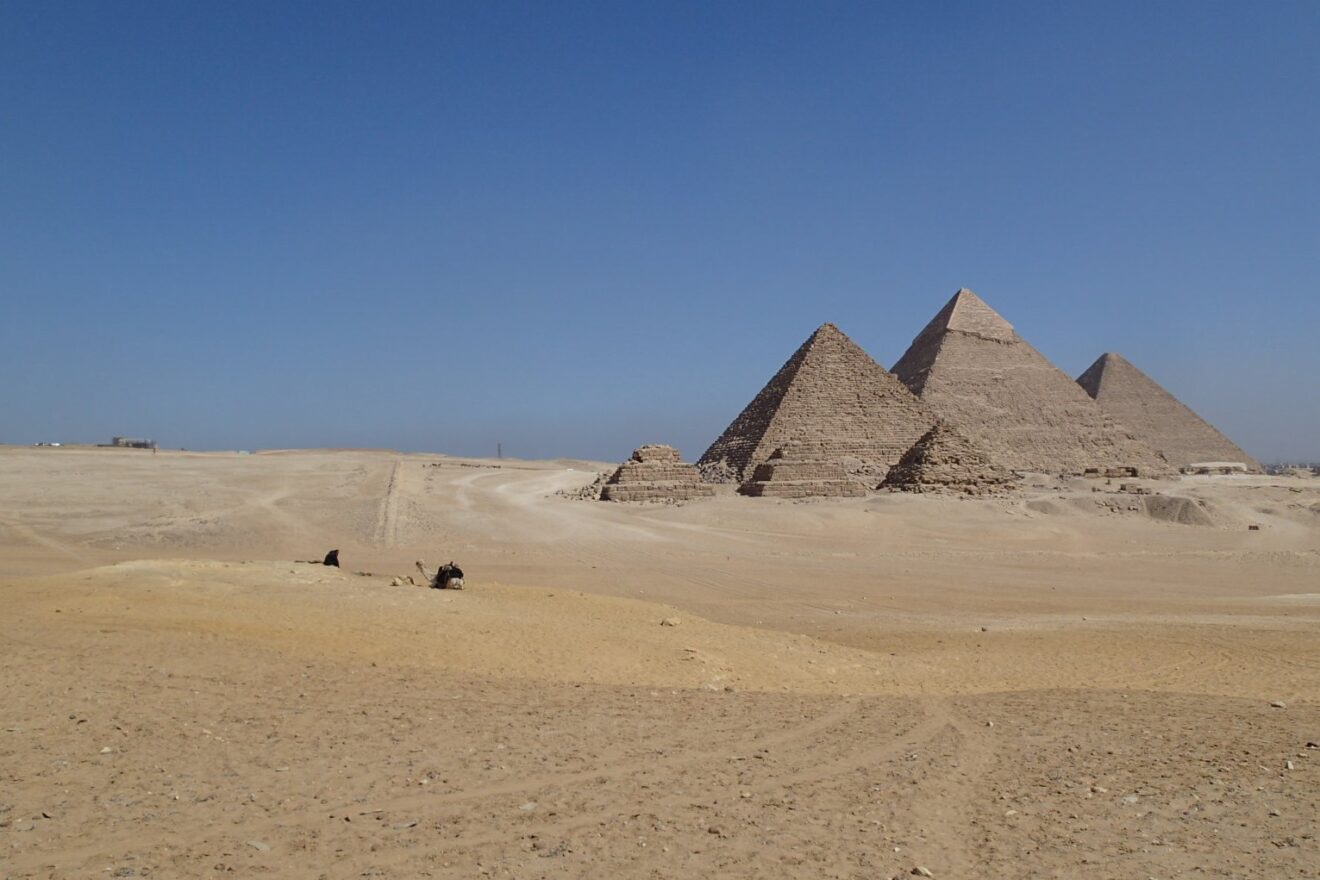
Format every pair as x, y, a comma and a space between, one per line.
1216, 467
130, 443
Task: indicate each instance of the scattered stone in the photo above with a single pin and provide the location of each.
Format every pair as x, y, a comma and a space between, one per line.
404, 826
589, 492
259, 845
1131, 799
1287, 765
1278, 704
670, 621
1312, 744
528, 807
919, 871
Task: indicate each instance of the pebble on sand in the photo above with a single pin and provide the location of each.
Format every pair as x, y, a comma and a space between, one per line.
670, 621
259, 845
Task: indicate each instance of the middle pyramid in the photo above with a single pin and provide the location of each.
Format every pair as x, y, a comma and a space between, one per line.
832, 398
973, 369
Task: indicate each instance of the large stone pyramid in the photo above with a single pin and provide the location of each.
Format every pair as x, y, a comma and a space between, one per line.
832, 398
945, 459
973, 370
1156, 416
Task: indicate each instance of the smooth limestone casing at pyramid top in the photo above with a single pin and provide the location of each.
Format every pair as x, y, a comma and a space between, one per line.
831, 397
1169, 427
973, 370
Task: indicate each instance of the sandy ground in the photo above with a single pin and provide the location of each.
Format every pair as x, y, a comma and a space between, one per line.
1069, 682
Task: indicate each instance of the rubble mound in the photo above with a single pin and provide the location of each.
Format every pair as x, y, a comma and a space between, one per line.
796, 471
655, 473
1174, 509
945, 459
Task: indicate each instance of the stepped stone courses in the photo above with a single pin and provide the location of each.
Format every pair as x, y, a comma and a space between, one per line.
1156, 416
973, 370
832, 398
655, 473
792, 473
945, 459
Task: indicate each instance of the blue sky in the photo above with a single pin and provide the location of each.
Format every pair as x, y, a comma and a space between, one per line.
574, 228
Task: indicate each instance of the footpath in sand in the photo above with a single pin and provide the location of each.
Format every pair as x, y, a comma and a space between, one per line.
1037, 685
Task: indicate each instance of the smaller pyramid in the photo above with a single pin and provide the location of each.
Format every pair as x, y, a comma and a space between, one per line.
655, 473
831, 397
945, 459
1168, 426
794, 472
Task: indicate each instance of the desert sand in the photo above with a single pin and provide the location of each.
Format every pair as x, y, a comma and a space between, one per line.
1066, 681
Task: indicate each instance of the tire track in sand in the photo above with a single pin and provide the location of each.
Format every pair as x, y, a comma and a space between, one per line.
386, 533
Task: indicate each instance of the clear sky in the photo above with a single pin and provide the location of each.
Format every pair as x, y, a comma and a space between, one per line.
573, 228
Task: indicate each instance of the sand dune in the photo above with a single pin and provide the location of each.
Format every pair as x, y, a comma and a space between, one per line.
1057, 683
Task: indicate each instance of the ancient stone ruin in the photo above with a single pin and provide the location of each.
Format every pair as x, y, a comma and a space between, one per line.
944, 459
832, 398
795, 472
972, 369
1157, 417
655, 473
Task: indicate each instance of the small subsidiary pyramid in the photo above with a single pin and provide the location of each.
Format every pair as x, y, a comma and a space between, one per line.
944, 458
972, 369
655, 472
1156, 416
831, 397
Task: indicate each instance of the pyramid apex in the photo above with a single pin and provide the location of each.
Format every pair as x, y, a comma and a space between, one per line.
968, 313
